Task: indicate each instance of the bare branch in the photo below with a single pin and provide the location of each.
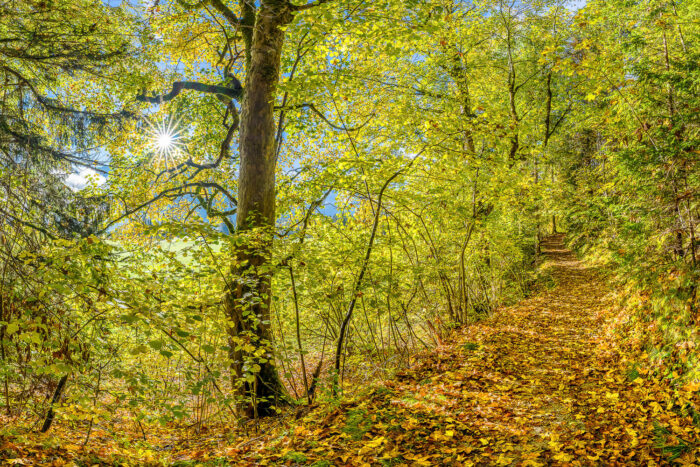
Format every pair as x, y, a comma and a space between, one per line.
226, 11
218, 4
308, 6
312, 107
170, 193
234, 92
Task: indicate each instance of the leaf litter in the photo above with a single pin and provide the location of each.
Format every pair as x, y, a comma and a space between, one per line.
536, 384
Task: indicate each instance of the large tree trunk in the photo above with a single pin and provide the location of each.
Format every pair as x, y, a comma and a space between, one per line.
248, 302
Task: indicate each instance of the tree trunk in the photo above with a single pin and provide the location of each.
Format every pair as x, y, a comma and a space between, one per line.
58, 392
255, 376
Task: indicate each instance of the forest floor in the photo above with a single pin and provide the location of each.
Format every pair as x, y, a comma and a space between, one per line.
539, 383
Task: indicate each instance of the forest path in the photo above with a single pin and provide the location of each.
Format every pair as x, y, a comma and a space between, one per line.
534, 384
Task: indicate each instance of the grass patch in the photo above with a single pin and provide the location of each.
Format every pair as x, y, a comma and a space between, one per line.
392, 462
632, 372
672, 447
357, 424
295, 457
470, 346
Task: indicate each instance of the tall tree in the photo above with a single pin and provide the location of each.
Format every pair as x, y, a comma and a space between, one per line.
262, 27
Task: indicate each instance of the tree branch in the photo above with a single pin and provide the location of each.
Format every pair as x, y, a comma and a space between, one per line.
178, 191
226, 11
308, 6
189, 163
218, 4
194, 6
368, 254
27, 224
560, 119
236, 92
312, 107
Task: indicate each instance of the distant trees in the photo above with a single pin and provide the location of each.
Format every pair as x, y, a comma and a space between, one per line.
631, 164
644, 104
46, 130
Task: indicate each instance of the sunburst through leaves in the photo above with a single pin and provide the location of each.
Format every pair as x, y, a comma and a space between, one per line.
165, 140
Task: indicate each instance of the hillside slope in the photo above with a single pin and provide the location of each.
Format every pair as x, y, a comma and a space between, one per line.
539, 383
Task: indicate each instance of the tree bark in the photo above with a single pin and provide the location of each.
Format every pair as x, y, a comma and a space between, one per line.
254, 374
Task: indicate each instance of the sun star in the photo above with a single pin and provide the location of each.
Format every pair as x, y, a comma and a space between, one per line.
164, 140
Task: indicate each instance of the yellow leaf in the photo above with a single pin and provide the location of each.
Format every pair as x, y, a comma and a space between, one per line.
554, 446
391, 454
692, 387
376, 442
503, 460
564, 457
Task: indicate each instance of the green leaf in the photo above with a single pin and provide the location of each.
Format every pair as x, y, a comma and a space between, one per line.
156, 344
12, 328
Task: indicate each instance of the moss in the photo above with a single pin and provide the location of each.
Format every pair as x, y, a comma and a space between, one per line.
357, 424
470, 346
294, 456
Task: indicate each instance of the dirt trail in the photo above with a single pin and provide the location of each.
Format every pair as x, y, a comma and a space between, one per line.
534, 384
